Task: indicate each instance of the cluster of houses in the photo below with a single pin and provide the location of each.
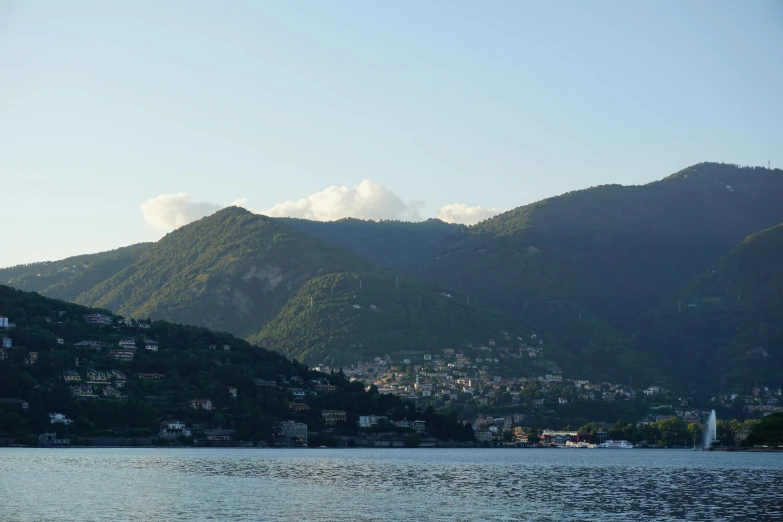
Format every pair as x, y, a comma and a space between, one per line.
96, 383
481, 374
453, 374
761, 401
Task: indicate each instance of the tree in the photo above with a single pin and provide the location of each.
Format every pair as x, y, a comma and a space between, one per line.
694, 432
413, 441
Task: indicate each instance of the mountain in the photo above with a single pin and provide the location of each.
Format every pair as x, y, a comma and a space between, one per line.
341, 318
229, 271
386, 243
725, 327
588, 271
612, 251
68, 278
337, 318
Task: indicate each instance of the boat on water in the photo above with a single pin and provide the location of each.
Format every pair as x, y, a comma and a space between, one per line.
616, 444
579, 445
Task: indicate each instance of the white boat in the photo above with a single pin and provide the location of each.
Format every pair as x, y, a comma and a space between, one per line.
579, 445
616, 444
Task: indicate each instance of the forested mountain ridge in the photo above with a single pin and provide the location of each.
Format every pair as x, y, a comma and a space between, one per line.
230, 271
67, 278
347, 317
337, 318
726, 325
385, 242
610, 251
582, 269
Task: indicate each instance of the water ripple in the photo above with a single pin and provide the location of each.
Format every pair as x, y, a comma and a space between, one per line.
369, 485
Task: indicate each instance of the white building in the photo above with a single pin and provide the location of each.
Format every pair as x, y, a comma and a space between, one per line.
174, 429
368, 421
59, 418
293, 432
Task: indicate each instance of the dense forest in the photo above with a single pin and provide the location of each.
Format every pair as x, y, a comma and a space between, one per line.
385, 242
727, 323
337, 317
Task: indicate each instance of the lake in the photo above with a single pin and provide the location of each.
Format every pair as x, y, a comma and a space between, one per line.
145, 484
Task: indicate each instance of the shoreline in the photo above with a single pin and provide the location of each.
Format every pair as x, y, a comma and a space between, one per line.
770, 449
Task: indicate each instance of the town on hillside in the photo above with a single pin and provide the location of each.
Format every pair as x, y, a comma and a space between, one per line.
111, 368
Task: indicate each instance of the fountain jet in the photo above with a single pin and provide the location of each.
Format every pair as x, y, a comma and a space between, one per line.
710, 431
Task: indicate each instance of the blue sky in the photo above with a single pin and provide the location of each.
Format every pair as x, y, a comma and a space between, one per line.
106, 105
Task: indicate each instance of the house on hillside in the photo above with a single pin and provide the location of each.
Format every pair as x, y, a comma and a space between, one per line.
50, 439
98, 319
173, 429
97, 377
332, 417
292, 432
122, 355
95, 345
217, 437
6, 342
82, 390
71, 376
113, 393
200, 404
151, 345
127, 344
369, 421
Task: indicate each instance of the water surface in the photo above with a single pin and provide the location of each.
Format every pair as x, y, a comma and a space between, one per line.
397, 484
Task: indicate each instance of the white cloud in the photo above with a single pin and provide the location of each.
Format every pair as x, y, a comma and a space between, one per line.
367, 200
465, 215
170, 211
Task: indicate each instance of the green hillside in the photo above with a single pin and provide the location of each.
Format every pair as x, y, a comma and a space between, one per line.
68, 278
335, 320
384, 242
230, 271
129, 398
725, 328
588, 270
612, 252
323, 324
